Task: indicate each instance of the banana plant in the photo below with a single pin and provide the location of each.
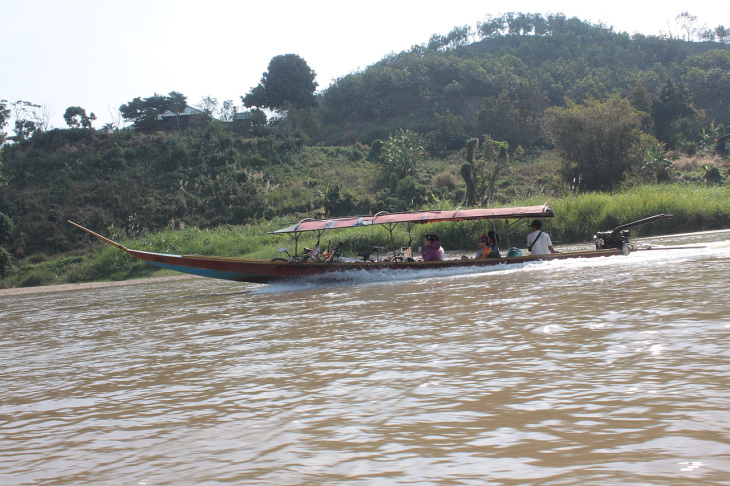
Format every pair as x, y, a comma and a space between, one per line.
709, 138
711, 174
659, 160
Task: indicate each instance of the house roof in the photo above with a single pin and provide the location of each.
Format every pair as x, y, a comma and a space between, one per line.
189, 110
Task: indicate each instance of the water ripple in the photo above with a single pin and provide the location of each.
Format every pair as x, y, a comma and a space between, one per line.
577, 372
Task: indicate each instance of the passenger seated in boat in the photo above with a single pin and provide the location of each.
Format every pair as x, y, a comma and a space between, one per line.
482, 242
493, 245
434, 251
488, 247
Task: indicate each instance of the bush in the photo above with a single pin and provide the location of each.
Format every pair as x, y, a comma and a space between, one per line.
444, 181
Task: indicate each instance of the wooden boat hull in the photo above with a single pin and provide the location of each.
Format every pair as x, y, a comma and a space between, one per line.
262, 271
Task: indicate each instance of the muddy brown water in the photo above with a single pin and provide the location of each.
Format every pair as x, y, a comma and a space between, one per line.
609, 371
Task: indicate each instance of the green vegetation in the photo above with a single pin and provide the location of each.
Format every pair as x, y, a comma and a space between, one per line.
523, 109
288, 83
578, 217
128, 183
695, 208
76, 117
501, 85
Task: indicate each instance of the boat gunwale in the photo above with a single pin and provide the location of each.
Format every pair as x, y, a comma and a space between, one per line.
384, 264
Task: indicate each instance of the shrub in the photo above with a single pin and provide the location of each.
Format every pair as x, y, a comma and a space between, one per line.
444, 180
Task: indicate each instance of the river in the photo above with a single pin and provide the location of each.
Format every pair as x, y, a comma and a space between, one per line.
612, 371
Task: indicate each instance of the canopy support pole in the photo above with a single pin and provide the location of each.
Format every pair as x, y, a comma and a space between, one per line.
390, 227
295, 235
319, 234
511, 228
409, 227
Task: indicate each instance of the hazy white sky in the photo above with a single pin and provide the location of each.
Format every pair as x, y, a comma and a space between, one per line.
101, 54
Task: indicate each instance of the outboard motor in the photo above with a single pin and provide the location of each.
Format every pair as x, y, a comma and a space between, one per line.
619, 237
611, 239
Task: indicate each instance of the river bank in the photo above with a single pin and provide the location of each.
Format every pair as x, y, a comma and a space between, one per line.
89, 285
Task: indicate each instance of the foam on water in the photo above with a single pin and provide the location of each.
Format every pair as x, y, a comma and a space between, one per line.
381, 277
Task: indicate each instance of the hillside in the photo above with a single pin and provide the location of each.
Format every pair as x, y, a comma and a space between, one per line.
127, 183
503, 84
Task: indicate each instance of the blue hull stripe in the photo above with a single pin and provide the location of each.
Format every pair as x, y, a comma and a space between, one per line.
210, 273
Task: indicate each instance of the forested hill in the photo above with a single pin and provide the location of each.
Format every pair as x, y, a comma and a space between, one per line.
503, 83
451, 122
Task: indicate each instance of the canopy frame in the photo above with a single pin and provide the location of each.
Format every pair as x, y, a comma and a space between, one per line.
410, 219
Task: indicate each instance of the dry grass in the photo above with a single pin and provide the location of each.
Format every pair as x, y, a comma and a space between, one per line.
686, 163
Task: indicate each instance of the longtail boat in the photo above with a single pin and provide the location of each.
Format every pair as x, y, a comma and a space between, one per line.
313, 262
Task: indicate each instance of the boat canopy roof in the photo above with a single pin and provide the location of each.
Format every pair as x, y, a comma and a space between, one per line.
420, 217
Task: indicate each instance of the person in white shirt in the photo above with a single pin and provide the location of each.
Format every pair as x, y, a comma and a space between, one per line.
539, 242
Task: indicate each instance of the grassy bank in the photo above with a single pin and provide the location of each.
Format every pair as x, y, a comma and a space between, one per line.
695, 208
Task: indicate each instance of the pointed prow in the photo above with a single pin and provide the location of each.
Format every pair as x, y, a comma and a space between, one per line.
105, 240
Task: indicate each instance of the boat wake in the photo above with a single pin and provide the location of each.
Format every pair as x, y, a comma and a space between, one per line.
384, 277
657, 255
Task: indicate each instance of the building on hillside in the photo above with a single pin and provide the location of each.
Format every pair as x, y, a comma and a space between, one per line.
180, 121
242, 123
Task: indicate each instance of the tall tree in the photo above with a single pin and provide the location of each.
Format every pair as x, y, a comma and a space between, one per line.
686, 23
228, 110
144, 111
178, 103
722, 34
595, 139
467, 172
208, 105
289, 83
459, 36
484, 163
29, 118
672, 105
76, 117
24, 129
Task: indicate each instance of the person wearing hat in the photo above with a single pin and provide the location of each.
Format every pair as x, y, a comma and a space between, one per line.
488, 247
482, 242
539, 242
